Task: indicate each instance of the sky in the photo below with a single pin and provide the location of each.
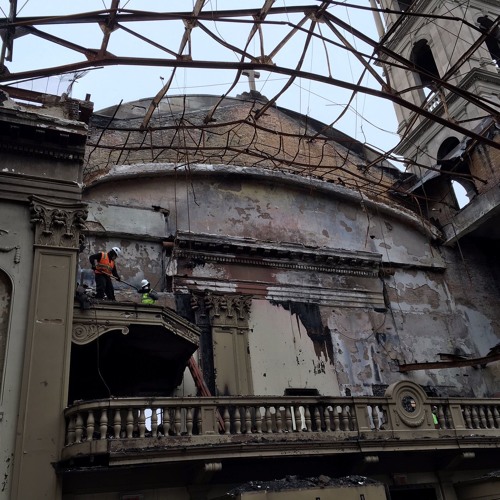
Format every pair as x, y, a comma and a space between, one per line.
368, 119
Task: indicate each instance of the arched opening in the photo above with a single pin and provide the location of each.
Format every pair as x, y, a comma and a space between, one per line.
492, 39
423, 60
451, 161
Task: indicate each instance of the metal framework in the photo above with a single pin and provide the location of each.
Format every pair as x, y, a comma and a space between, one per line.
263, 38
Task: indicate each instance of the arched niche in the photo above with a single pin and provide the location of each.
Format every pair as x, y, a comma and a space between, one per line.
5, 307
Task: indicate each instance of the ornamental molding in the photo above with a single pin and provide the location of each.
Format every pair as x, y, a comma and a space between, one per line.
85, 333
223, 310
57, 224
88, 324
409, 404
9, 248
200, 249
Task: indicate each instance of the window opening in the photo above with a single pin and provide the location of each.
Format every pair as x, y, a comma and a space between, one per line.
492, 40
464, 189
422, 58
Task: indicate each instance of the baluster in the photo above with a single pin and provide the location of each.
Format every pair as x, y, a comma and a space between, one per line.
71, 430
177, 421
227, 421
248, 420
237, 421
154, 422
329, 419
441, 418
298, 419
489, 417
307, 415
475, 418
496, 417
199, 421
189, 421
467, 417
166, 421
129, 423
103, 424
279, 422
141, 423
288, 419
258, 420
345, 419
90, 426
117, 423
375, 417
78, 428
353, 419
326, 418
317, 419
482, 418
336, 418
269, 420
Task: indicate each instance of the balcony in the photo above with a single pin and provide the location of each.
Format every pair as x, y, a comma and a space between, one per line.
134, 431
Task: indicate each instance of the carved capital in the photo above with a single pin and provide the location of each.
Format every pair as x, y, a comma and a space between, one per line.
57, 224
85, 333
229, 310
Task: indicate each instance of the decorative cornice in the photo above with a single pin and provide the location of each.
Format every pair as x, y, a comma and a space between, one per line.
199, 249
104, 317
57, 224
40, 134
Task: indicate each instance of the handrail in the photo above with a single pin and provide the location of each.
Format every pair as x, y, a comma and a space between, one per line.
363, 417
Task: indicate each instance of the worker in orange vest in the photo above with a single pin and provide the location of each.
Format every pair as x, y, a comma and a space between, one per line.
103, 265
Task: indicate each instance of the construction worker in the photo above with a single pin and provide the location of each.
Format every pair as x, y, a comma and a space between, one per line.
103, 265
148, 296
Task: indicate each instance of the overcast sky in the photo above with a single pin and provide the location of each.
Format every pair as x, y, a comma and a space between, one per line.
368, 119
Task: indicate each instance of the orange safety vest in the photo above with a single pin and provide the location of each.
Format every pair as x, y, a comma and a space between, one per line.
105, 265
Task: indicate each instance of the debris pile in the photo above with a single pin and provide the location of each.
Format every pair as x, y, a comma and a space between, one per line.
295, 483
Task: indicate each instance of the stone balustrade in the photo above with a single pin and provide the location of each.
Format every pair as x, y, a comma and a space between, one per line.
403, 415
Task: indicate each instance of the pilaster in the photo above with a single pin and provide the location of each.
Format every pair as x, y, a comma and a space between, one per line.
47, 352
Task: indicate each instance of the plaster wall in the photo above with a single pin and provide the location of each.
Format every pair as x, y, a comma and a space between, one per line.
285, 356
359, 347
266, 210
16, 263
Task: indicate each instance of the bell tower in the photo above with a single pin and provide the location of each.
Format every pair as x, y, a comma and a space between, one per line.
452, 70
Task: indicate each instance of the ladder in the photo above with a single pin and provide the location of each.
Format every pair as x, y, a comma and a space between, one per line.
202, 386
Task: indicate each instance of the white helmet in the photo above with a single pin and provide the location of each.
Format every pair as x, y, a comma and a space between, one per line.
144, 283
116, 250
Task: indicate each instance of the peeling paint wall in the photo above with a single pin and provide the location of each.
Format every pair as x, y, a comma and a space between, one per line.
285, 354
337, 330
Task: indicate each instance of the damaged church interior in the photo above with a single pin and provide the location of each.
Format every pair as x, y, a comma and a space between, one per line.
326, 321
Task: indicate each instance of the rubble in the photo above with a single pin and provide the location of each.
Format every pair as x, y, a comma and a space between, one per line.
296, 483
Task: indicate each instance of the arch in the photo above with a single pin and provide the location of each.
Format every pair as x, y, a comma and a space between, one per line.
5, 307
464, 189
422, 58
492, 39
